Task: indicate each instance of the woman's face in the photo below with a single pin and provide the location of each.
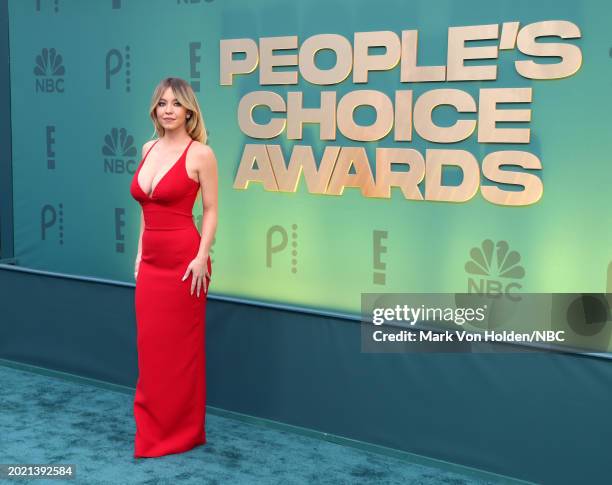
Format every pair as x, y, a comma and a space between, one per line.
170, 113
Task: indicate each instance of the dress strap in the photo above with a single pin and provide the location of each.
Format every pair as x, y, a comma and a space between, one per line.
188, 146
150, 148
145, 156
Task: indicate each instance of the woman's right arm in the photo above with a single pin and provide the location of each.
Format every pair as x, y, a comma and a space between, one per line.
139, 253
145, 147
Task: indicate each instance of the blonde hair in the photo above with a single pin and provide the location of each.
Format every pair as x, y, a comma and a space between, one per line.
185, 95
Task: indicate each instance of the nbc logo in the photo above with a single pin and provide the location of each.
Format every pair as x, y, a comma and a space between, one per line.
49, 71
119, 152
494, 269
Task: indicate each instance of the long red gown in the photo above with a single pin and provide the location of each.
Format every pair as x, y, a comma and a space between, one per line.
170, 398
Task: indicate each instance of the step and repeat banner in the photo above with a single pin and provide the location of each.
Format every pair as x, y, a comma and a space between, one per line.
390, 147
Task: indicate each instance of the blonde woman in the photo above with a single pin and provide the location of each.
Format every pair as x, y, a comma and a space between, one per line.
173, 272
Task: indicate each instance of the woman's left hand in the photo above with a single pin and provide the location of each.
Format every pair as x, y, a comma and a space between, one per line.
199, 268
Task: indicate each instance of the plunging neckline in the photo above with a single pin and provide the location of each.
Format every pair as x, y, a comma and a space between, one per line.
153, 188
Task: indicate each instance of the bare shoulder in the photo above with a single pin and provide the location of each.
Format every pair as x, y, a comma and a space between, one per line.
147, 145
204, 155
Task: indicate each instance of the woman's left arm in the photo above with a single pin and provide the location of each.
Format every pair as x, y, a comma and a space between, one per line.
208, 176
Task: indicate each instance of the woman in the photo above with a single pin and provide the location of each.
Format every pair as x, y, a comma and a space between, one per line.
172, 272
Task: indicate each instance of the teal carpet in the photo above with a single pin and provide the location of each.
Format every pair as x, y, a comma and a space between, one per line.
46, 419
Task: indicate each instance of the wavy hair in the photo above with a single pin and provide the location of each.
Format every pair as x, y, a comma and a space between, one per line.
184, 94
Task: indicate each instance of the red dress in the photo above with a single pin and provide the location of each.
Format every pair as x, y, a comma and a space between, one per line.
170, 398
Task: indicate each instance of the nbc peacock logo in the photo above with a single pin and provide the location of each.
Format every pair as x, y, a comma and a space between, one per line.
119, 152
49, 71
494, 270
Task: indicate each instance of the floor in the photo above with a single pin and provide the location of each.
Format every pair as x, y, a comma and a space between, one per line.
47, 420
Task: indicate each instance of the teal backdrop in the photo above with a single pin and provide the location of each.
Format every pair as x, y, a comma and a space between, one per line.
82, 76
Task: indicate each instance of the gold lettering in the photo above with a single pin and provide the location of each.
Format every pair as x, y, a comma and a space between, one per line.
435, 160
489, 115
491, 169
571, 56
402, 120
362, 178
267, 46
428, 101
249, 102
365, 97
364, 62
228, 66
302, 157
410, 72
255, 154
458, 53
407, 181
325, 115
344, 59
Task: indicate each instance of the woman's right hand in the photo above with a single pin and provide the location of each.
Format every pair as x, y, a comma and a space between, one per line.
137, 265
